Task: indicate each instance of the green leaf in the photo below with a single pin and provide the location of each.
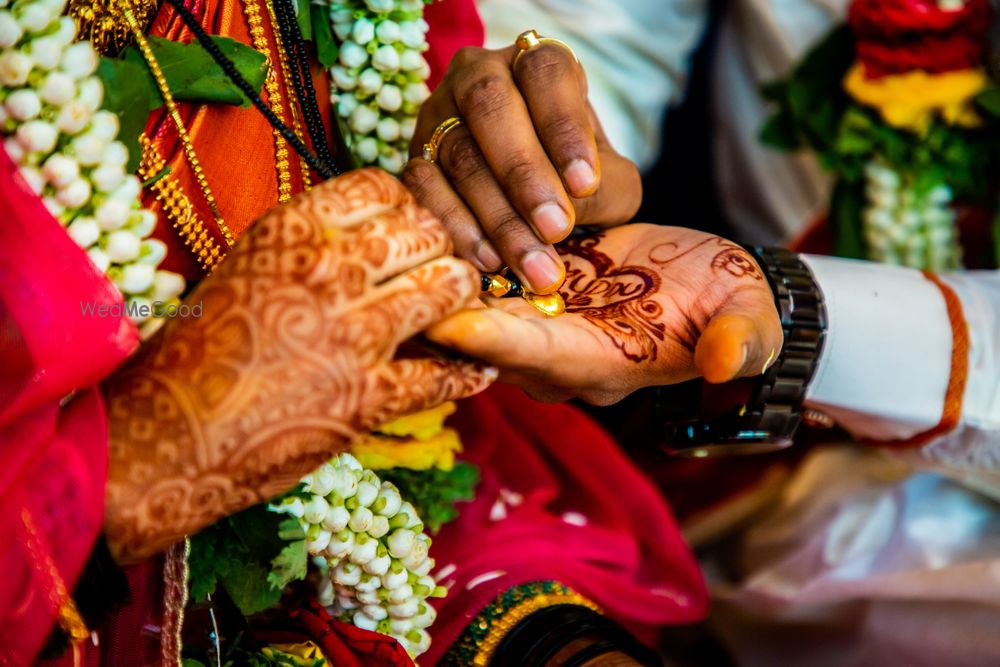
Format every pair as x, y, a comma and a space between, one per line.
291, 562
988, 101
192, 75
248, 587
856, 134
303, 16
322, 36
202, 578
846, 206
779, 132
130, 93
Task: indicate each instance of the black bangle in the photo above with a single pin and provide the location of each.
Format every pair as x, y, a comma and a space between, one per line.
773, 412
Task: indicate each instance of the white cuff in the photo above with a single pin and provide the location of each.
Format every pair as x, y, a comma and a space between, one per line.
885, 366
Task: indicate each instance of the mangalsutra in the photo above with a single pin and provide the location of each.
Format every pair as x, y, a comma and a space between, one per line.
506, 284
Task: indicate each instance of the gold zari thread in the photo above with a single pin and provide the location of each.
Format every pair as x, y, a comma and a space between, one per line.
168, 99
103, 24
178, 208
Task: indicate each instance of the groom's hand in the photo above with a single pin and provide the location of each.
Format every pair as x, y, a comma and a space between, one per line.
529, 161
645, 305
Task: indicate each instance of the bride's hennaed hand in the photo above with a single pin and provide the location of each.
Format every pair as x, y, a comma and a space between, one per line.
645, 305
292, 357
528, 163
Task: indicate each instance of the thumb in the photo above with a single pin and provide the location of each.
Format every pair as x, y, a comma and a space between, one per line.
742, 339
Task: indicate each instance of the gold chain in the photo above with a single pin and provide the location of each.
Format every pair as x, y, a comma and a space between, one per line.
252, 11
287, 75
168, 98
178, 208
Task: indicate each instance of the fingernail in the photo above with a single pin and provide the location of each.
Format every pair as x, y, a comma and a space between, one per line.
551, 221
580, 176
541, 270
487, 256
491, 373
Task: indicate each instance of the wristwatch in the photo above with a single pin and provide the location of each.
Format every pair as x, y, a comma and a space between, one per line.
768, 419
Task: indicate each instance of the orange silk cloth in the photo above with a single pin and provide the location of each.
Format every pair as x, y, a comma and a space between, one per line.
234, 145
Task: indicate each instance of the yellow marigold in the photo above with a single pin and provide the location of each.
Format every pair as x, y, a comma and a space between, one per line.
420, 425
378, 452
304, 654
910, 100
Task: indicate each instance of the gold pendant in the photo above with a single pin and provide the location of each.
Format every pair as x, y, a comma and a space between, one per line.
506, 284
103, 23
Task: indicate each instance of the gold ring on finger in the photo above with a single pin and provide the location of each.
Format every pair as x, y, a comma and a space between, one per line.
529, 39
430, 151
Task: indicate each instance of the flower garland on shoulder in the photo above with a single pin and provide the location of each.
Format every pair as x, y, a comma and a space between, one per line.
53, 127
899, 107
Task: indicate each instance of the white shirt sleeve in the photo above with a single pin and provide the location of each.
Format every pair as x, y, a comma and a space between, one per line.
636, 54
885, 368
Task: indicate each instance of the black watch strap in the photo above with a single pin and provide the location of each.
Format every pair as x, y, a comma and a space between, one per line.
770, 417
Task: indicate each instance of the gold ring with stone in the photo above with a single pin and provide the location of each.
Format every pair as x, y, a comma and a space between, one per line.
430, 151
529, 39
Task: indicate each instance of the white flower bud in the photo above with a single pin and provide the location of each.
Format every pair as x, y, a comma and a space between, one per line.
395, 578
107, 177
342, 29
393, 161
55, 208
416, 93
389, 98
15, 151
91, 93
37, 136
314, 511
400, 594
411, 5
324, 593
425, 617
79, 60
411, 60
23, 104
167, 285
105, 125
337, 518
401, 543
368, 597
33, 17
400, 626
368, 582
73, 117
136, 278
58, 88
343, 78
341, 544
407, 609
65, 34
347, 603
346, 573
411, 34
407, 127
939, 195
352, 55
88, 149
361, 520
411, 512
364, 621
75, 194
379, 527
320, 542
138, 305
345, 484
141, 221
378, 565
99, 258
10, 30
346, 104
375, 611
112, 214
380, 5
347, 460
387, 32
61, 170
128, 191
363, 120
321, 480
417, 555
84, 231
424, 568
367, 492
366, 150
46, 52
388, 502
386, 59
422, 643
363, 31
14, 68
369, 82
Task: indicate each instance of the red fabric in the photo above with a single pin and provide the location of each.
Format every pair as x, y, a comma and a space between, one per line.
897, 36
345, 645
53, 459
453, 24
588, 518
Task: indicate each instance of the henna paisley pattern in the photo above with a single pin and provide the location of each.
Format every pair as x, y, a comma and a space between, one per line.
292, 358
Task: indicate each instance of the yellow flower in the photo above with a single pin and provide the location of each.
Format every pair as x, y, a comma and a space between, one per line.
378, 452
304, 654
420, 425
910, 100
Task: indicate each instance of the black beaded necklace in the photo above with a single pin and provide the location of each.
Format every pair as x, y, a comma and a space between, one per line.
325, 168
302, 77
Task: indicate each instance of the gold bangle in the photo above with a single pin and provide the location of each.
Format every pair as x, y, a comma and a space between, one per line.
430, 151
530, 39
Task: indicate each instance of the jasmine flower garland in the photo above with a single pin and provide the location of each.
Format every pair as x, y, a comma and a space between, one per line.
54, 130
380, 77
374, 548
